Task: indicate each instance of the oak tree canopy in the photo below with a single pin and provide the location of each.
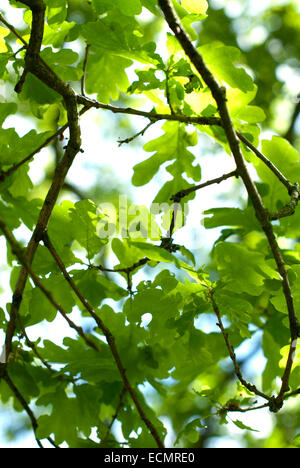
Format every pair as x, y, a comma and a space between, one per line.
155, 323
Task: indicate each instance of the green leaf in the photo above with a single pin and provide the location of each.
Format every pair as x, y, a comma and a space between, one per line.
96, 287
237, 309
56, 33
231, 217
60, 63
27, 210
221, 60
154, 252
127, 7
39, 308
21, 183
241, 425
127, 253
171, 146
250, 279
3, 32
80, 360
37, 92
57, 11
112, 80
8, 216
147, 81
116, 34
251, 114
151, 5
20, 373
61, 407
60, 232
16, 148
6, 109
83, 222
191, 431
279, 301
195, 6
286, 158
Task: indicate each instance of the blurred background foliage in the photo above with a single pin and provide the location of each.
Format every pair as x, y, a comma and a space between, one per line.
268, 33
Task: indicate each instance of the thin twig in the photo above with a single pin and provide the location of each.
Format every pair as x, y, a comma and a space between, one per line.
289, 135
235, 409
86, 55
148, 115
13, 30
141, 133
266, 161
114, 418
59, 132
174, 117
183, 193
24, 404
168, 92
252, 388
129, 269
290, 208
18, 252
206, 121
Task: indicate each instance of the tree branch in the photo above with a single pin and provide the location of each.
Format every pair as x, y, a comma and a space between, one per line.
24, 404
183, 193
37, 67
267, 162
59, 132
219, 94
290, 208
86, 56
141, 133
13, 30
195, 120
82, 99
289, 135
18, 252
28, 410
252, 388
109, 337
115, 416
148, 115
